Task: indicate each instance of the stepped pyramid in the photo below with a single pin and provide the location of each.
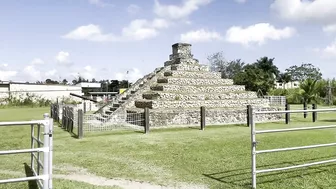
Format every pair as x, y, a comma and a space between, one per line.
174, 94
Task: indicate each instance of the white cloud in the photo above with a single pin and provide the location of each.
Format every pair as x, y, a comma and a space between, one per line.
138, 29
132, 75
200, 36
37, 61
329, 51
258, 33
63, 58
241, 1
87, 72
5, 73
31, 73
51, 74
100, 3
175, 12
317, 11
133, 9
330, 28
141, 29
89, 32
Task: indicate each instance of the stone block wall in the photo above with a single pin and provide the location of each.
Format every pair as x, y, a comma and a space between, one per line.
199, 96
212, 117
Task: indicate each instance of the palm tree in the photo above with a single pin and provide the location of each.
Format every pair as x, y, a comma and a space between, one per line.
309, 90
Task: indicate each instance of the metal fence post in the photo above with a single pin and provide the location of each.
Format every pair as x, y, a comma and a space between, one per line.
202, 118
146, 120
84, 106
305, 108
314, 106
32, 146
51, 110
249, 115
253, 150
62, 119
287, 114
50, 138
46, 160
80, 124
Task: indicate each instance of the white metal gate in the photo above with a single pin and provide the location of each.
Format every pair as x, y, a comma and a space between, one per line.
276, 100
254, 151
44, 180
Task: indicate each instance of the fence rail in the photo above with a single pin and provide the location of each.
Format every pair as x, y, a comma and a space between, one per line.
43, 180
254, 150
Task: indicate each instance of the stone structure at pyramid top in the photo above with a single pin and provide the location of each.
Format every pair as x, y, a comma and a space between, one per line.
181, 50
181, 53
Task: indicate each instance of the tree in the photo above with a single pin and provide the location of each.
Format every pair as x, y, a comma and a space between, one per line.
217, 62
50, 81
228, 68
268, 66
303, 72
233, 68
255, 79
64, 82
258, 76
309, 90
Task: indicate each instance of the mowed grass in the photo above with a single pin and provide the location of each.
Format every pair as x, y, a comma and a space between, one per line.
218, 157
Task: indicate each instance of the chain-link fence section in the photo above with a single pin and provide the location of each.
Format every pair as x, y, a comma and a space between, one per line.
92, 122
276, 100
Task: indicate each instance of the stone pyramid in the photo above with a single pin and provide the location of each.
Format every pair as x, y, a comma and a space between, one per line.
175, 93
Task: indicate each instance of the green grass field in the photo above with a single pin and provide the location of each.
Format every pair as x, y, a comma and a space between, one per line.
218, 157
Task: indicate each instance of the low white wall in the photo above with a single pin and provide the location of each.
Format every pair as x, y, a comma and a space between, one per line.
4, 91
51, 92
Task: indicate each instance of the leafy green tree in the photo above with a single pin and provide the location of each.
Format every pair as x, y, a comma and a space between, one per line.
303, 72
310, 90
260, 75
267, 65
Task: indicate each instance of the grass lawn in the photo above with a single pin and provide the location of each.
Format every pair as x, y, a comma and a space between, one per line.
218, 157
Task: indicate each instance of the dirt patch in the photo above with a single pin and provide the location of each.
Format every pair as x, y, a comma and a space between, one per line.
82, 175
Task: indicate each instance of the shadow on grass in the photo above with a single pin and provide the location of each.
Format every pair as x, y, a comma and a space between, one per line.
244, 174
32, 184
328, 120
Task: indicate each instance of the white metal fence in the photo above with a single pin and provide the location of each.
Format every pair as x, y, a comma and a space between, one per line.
254, 151
44, 180
93, 122
276, 100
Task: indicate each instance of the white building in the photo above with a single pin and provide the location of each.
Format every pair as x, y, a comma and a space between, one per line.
289, 85
51, 92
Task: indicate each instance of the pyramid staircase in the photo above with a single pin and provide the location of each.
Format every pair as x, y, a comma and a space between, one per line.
178, 90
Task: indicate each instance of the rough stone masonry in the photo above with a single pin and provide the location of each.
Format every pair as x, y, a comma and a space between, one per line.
185, 85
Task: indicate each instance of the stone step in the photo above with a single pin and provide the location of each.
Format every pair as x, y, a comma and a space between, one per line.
198, 89
190, 67
191, 74
105, 115
116, 105
157, 104
113, 109
100, 118
108, 112
198, 96
194, 81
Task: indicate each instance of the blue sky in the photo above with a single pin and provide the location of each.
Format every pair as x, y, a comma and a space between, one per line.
103, 39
